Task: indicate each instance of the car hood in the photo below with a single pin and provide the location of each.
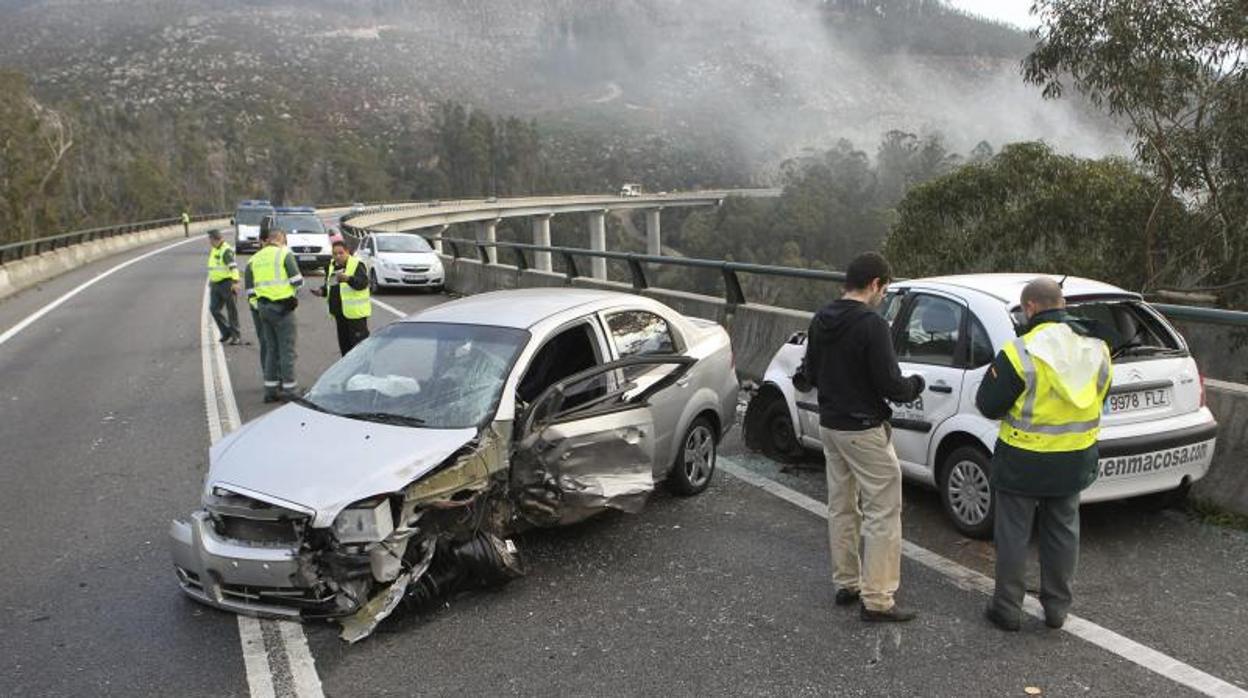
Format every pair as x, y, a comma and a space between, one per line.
427, 258
323, 462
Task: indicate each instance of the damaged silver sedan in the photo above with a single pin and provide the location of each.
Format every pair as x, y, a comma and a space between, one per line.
402, 473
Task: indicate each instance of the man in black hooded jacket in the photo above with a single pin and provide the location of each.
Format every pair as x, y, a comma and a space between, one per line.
851, 361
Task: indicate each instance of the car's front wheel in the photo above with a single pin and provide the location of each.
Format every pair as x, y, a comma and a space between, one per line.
695, 460
966, 491
373, 286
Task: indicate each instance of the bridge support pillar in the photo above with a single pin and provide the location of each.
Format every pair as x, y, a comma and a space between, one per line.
487, 231
437, 239
598, 243
654, 243
541, 238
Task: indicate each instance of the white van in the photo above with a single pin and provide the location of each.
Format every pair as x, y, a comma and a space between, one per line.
1157, 435
306, 236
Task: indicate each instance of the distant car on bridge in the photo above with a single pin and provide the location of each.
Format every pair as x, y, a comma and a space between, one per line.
246, 222
630, 190
400, 260
406, 466
306, 236
1157, 435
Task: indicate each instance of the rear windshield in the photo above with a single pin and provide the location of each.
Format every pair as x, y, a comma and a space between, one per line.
299, 223
1129, 326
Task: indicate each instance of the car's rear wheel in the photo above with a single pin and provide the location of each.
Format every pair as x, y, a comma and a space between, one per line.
966, 491
1166, 499
695, 459
769, 428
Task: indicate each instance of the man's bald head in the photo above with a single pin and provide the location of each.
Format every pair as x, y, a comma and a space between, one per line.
1040, 295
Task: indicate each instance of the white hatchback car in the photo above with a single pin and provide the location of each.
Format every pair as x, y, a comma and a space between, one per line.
1157, 435
400, 260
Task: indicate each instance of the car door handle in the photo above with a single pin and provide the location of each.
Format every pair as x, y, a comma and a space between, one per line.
940, 388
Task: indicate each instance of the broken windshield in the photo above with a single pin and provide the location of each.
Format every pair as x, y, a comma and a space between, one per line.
434, 375
1129, 327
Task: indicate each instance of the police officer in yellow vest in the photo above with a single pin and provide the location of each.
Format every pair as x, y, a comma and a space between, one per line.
1047, 387
273, 278
186, 224
223, 286
346, 290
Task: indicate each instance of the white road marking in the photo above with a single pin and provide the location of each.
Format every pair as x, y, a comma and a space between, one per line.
389, 308
969, 579
26, 322
218, 398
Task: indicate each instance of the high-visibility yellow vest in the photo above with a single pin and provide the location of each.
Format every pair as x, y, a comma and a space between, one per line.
218, 270
1066, 377
355, 304
268, 274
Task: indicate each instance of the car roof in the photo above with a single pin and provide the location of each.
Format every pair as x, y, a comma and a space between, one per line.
255, 203
295, 209
1009, 287
522, 308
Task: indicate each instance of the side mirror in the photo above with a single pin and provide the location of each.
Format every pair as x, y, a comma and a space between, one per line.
266, 225
232, 221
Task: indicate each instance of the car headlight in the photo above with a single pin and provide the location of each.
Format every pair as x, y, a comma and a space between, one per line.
364, 522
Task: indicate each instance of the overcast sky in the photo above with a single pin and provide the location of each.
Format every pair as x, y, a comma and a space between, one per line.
1011, 11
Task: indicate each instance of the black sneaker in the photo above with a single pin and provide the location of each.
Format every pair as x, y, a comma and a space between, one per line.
896, 614
271, 397
998, 619
224, 339
845, 597
236, 340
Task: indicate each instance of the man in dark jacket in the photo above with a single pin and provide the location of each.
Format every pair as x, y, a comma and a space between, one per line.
346, 290
1047, 387
850, 360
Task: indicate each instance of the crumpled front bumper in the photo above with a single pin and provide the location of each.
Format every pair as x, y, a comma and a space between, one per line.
252, 579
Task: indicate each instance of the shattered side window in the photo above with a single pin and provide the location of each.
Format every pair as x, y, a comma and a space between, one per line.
637, 332
435, 375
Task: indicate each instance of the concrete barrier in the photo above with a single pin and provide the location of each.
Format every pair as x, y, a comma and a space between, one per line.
1226, 485
758, 330
31, 271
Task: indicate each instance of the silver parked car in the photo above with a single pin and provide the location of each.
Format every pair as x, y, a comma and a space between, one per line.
403, 470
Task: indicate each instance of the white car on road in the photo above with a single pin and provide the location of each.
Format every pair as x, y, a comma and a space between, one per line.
400, 260
1157, 435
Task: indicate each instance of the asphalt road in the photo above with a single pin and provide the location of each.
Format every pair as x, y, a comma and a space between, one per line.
102, 421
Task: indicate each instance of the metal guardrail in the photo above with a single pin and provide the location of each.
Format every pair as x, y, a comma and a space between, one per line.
734, 294
28, 248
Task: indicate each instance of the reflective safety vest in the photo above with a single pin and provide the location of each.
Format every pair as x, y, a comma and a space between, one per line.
355, 304
218, 270
268, 274
1066, 377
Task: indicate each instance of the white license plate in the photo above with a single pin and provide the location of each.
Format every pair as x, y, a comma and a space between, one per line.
413, 277
306, 257
1136, 400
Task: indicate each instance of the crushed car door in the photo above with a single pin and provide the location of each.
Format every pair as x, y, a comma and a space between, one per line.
587, 442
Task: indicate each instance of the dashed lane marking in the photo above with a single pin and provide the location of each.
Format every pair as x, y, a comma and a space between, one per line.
287, 647
970, 580
29, 319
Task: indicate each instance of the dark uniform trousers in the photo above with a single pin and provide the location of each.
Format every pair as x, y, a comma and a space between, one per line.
224, 311
350, 332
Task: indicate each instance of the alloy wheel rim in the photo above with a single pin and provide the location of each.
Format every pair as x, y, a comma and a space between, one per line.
969, 493
699, 455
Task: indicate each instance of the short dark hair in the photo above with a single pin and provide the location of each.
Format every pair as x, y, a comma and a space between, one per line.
865, 268
340, 243
214, 234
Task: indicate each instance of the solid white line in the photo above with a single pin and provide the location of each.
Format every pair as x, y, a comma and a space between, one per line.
299, 657
12, 331
389, 308
255, 658
219, 392
969, 579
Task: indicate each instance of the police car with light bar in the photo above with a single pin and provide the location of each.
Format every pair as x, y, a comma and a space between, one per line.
1157, 435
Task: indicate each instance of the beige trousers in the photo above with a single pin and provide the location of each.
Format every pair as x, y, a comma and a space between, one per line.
864, 510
